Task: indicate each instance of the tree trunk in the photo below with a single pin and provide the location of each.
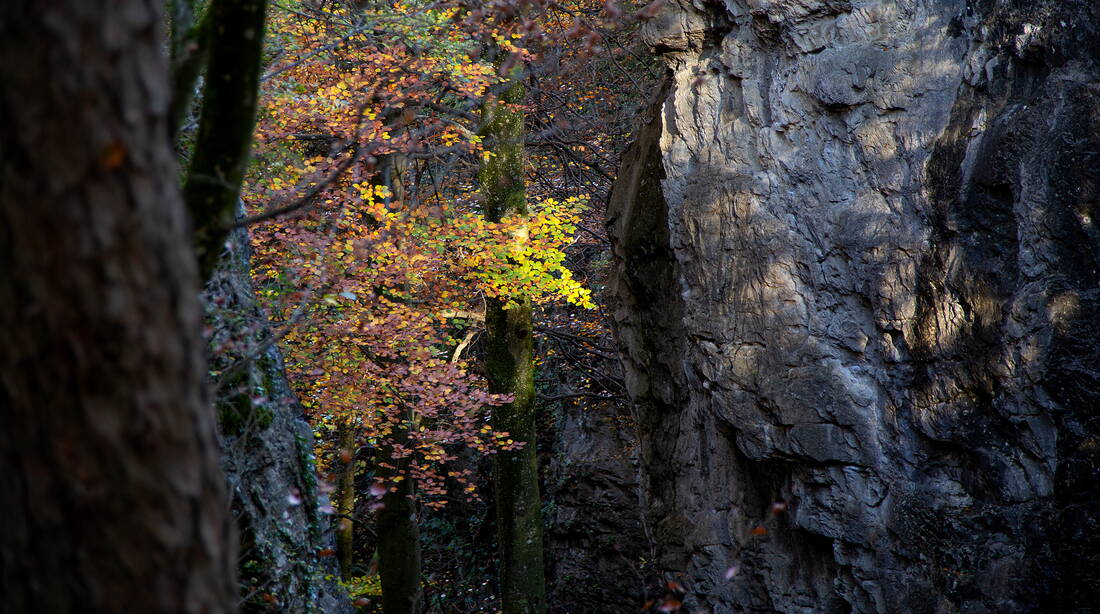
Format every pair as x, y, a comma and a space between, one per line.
187, 43
235, 37
114, 500
345, 502
511, 370
399, 557
399, 541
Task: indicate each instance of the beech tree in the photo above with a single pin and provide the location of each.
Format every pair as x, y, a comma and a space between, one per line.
399, 555
510, 367
401, 270
114, 500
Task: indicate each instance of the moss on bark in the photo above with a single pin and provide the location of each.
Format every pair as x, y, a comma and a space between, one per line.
510, 368
226, 120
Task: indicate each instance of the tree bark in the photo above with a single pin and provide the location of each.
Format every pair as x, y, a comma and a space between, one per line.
399, 540
114, 500
345, 502
226, 120
511, 370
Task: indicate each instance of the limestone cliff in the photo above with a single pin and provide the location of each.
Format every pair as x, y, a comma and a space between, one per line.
857, 250
267, 455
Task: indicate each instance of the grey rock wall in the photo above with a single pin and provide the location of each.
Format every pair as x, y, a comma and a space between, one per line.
857, 258
596, 540
267, 455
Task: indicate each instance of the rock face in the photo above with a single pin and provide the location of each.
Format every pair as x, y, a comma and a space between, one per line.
857, 248
267, 455
595, 538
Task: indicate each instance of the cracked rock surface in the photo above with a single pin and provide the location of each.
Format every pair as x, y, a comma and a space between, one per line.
267, 455
857, 258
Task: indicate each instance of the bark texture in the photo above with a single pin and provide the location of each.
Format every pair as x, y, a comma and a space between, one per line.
233, 32
510, 367
857, 254
113, 497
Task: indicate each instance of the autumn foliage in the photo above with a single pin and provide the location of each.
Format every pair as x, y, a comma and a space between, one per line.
371, 251
379, 291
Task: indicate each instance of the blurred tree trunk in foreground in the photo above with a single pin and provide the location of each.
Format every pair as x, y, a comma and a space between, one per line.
113, 496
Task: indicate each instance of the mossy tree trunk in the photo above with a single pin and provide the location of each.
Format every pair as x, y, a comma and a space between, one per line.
510, 369
234, 36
